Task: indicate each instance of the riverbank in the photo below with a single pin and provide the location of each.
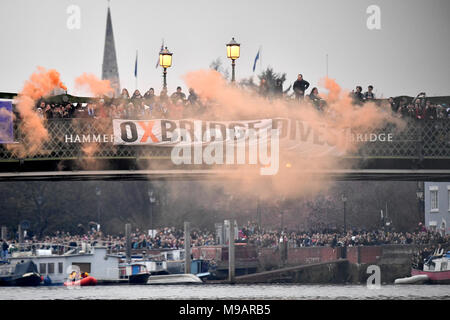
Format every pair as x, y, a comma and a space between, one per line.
320, 265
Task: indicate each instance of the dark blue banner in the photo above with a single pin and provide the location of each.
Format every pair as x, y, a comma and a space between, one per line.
6, 122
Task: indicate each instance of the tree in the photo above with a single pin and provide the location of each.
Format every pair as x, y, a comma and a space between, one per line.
217, 65
269, 76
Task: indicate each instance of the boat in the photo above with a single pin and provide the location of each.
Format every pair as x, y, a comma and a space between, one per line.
20, 274
55, 265
175, 261
417, 279
134, 272
436, 268
175, 279
87, 281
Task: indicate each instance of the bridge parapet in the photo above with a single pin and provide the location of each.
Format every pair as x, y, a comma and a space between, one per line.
78, 139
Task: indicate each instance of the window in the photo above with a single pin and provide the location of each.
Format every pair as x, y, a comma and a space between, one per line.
42, 268
60, 267
84, 267
432, 225
51, 268
434, 200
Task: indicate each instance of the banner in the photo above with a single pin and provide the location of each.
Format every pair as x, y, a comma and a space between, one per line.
6, 122
294, 135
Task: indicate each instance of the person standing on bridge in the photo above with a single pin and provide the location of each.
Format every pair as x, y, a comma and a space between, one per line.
369, 95
300, 86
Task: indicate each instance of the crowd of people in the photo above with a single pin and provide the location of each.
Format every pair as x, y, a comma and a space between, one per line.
137, 106
420, 108
334, 238
181, 105
60, 242
251, 234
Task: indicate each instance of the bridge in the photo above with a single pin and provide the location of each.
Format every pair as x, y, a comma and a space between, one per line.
419, 152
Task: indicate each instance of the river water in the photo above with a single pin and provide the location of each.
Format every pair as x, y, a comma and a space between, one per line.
226, 291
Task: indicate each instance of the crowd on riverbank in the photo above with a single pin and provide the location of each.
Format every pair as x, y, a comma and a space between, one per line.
341, 239
173, 238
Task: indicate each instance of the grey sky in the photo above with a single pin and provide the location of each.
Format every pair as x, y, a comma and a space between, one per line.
408, 55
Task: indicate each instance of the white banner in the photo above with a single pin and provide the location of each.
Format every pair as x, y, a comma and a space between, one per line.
295, 135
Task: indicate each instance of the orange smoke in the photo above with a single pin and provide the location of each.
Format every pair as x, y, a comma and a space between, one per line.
98, 88
229, 102
41, 83
95, 86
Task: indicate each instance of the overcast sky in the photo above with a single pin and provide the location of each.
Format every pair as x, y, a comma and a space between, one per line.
409, 54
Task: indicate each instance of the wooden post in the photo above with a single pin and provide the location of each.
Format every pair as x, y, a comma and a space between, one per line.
187, 247
231, 262
128, 241
19, 230
4, 233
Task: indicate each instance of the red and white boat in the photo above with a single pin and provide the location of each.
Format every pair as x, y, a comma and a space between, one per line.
88, 281
437, 268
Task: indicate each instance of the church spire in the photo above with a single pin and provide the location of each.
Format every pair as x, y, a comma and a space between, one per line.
110, 71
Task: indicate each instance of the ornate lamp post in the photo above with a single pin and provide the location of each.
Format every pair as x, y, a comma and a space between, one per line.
165, 61
420, 196
233, 52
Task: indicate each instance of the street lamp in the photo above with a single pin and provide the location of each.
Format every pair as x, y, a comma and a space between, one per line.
420, 194
344, 200
152, 200
165, 61
233, 52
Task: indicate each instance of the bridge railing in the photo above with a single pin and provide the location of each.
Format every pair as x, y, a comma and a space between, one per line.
81, 138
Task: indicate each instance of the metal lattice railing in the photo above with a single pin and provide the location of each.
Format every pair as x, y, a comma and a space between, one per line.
418, 140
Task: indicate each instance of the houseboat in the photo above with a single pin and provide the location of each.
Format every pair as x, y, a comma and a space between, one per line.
106, 268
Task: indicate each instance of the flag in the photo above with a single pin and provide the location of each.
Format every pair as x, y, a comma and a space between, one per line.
135, 65
162, 48
256, 59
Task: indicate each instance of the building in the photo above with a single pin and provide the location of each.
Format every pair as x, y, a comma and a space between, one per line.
437, 206
110, 71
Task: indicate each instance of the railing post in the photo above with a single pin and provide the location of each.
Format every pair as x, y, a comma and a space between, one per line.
187, 247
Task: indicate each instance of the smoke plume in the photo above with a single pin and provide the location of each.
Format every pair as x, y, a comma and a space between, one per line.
41, 83
97, 88
299, 174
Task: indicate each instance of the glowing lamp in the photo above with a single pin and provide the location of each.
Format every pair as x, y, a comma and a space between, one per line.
233, 49
165, 58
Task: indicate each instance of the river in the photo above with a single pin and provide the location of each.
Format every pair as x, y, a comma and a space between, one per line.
226, 291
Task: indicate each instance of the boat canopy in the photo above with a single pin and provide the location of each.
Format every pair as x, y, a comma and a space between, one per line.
25, 267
